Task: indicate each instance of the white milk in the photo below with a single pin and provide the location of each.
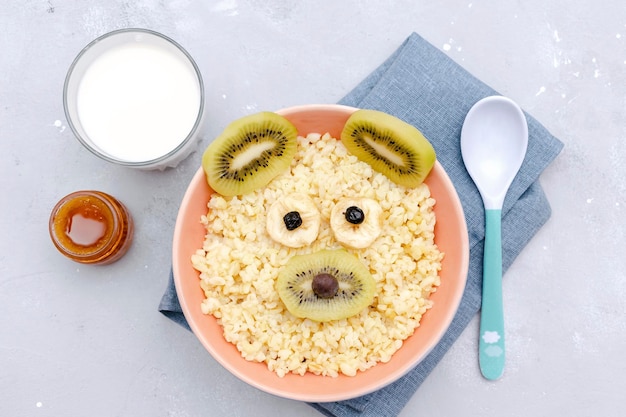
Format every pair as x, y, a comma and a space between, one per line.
137, 101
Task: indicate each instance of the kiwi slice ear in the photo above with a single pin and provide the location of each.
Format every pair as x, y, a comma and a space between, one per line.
249, 153
325, 285
390, 145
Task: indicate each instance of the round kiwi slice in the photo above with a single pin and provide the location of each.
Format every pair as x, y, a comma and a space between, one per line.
249, 153
390, 145
325, 285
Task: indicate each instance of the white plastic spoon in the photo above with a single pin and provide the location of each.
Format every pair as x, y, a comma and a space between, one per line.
494, 139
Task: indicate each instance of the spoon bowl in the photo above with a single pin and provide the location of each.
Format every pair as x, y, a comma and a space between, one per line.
494, 139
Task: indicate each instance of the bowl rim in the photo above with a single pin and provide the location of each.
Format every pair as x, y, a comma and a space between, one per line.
463, 266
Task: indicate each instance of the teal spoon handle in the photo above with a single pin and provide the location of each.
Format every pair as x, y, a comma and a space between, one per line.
491, 342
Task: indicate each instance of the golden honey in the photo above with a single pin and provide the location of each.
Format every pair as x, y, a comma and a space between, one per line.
91, 227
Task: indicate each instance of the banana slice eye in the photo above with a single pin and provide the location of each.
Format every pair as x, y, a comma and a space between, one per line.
356, 222
293, 221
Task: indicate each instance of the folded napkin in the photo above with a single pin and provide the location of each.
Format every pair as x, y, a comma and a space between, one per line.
424, 87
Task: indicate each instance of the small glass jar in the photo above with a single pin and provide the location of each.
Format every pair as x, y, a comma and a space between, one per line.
91, 227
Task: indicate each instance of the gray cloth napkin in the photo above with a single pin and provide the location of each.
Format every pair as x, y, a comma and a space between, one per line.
424, 87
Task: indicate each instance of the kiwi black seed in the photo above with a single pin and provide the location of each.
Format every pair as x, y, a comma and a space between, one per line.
249, 153
390, 145
344, 285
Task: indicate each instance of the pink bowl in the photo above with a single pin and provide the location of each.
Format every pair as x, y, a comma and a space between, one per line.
450, 236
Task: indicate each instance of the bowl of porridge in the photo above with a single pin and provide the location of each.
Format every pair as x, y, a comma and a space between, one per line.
228, 269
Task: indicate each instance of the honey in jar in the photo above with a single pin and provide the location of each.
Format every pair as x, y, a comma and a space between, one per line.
91, 227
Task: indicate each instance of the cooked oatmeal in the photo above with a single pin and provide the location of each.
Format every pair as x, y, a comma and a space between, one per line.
239, 263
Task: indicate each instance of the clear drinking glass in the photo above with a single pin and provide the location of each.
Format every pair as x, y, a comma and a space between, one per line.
135, 97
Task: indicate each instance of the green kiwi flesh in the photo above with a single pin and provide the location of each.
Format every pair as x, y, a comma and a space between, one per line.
356, 286
249, 153
390, 145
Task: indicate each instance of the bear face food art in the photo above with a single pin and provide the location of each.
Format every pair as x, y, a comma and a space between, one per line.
326, 263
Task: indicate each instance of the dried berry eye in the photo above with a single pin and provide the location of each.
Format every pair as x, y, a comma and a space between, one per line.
354, 215
292, 220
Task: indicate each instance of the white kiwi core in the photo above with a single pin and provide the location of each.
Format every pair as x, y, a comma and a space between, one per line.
253, 152
385, 152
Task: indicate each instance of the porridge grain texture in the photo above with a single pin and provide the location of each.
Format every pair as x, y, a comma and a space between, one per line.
239, 263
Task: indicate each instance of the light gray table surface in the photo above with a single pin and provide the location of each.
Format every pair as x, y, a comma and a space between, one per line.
88, 341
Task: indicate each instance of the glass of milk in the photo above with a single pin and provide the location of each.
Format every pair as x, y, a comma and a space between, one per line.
134, 97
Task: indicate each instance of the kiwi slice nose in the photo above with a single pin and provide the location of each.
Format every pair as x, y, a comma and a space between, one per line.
325, 285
